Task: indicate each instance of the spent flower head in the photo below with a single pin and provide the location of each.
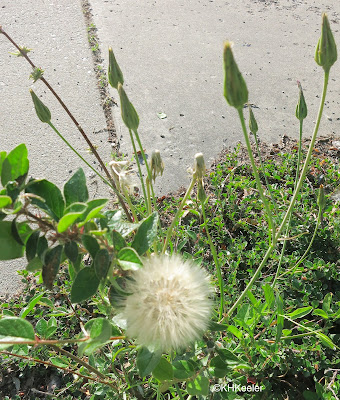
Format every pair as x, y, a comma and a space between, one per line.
169, 306
156, 164
123, 176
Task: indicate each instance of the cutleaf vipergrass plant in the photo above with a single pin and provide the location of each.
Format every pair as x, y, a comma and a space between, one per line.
140, 317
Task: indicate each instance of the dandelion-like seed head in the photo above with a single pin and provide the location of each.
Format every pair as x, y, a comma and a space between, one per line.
169, 306
123, 175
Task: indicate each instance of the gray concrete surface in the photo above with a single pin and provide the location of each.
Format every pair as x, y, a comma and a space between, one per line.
170, 52
56, 32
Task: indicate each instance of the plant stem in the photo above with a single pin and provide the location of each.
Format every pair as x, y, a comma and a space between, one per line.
309, 246
49, 364
257, 178
68, 112
294, 197
216, 261
180, 208
290, 216
138, 166
263, 171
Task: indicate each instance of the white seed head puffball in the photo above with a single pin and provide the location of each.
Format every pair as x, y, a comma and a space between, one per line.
169, 306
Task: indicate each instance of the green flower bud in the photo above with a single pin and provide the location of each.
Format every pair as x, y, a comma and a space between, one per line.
321, 198
301, 108
201, 192
114, 73
129, 114
252, 122
325, 52
42, 111
156, 164
235, 88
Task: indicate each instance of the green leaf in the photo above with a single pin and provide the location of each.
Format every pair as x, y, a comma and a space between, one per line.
117, 222
300, 312
71, 214
15, 329
42, 248
9, 247
85, 285
93, 209
30, 306
118, 241
51, 265
71, 251
15, 165
102, 263
146, 234
116, 296
320, 313
31, 245
46, 329
52, 200
34, 265
60, 361
231, 360
15, 232
326, 341
90, 244
326, 304
129, 259
99, 330
2, 158
147, 361
5, 201
218, 367
215, 327
75, 189
200, 386
183, 369
269, 295
235, 331
163, 370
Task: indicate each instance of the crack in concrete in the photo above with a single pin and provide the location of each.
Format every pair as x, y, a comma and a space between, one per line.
107, 102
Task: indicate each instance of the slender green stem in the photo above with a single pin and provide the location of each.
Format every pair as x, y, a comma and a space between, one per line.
257, 178
216, 261
148, 188
76, 152
264, 174
180, 208
138, 166
147, 169
252, 280
309, 246
293, 200
178, 390
290, 216
128, 200
308, 157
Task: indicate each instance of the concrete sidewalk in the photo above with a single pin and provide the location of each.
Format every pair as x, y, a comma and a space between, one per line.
170, 52
57, 33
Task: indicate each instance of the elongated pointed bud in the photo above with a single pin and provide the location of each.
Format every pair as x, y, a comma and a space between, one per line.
114, 73
301, 107
42, 111
321, 198
326, 52
235, 88
129, 114
156, 164
252, 122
